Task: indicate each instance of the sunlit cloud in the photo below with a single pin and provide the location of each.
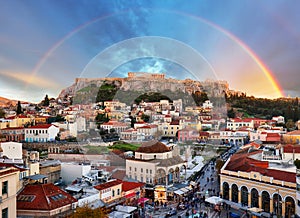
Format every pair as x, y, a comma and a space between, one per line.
37, 81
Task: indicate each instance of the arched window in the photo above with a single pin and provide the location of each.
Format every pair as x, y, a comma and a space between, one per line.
289, 207
225, 191
254, 198
245, 193
277, 204
234, 193
265, 201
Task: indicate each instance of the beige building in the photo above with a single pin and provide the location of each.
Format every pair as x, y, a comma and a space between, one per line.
8, 178
155, 163
110, 191
291, 137
248, 181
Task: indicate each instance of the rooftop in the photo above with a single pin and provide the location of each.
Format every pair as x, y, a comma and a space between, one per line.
43, 197
153, 146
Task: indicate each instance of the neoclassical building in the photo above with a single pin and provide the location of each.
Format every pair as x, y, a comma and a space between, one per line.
155, 163
250, 182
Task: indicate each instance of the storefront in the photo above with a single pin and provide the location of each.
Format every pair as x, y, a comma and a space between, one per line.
160, 194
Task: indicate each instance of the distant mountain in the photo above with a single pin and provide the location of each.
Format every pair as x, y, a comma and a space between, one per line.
4, 102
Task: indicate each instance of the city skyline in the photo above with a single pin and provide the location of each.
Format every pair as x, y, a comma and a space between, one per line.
253, 45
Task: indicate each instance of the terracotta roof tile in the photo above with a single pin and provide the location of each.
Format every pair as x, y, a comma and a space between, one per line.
153, 146
108, 185
127, 186
41, 126
43, 197
242, 162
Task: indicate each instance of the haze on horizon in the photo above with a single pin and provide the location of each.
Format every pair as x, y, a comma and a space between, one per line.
45, 45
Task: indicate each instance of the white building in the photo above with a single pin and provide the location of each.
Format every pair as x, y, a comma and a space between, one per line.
12, 150
155, 163
41, 133
72, 171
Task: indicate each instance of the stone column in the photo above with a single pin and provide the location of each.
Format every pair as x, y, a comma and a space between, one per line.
230, 195
271, 205
283, 209
259, 201
240, 197
249, 199
167, 178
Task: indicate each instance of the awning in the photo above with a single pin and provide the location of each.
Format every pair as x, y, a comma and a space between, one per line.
178, 192
184, 190
193, 183
74, 188
142, 200
214, 200
130, 195
188, 188
255, 209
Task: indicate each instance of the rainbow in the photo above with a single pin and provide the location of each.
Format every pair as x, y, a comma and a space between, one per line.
267, 72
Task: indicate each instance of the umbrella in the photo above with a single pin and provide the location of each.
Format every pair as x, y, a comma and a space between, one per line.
214, 200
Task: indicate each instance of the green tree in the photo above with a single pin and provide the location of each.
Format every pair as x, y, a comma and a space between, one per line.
231, 113
19, 108
83, 212
46, 101
297, 163
101, 118
145, 117
290, 124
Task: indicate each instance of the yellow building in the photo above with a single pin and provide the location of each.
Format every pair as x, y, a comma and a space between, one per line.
110, 192
292, 137
246, 181
8, 178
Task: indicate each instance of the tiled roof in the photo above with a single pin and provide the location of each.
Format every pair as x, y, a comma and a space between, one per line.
295, 132
107, 185
12, 165
43, 197
203, 133
175, 122
153, 146
41, 126
243, 162
119, 174
127, 186
11, 170
291, 148
13, 128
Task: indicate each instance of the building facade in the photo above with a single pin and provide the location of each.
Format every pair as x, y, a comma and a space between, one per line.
41, 133
8, 178
248, 181
155, 163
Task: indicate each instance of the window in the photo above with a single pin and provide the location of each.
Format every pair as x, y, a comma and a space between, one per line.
146, 170
135, 169
5, 213
118, 192
142, 179
150, 171
141, 170
113, 193
129, 168
4, 187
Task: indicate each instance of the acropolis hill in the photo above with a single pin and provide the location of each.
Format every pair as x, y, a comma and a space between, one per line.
154, 82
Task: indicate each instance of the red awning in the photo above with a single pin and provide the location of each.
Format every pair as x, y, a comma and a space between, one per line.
132, 194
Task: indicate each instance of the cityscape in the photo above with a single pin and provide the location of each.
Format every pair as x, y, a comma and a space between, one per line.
149, 109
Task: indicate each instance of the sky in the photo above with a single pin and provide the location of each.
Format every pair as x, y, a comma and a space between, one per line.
252, 44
